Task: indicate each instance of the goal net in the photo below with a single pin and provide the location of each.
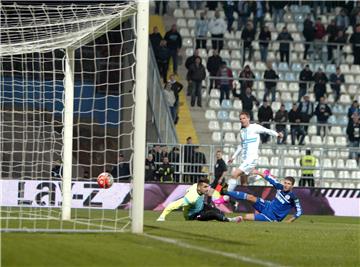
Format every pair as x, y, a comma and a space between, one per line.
66, 109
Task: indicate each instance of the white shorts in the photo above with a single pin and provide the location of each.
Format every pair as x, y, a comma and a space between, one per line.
248, 166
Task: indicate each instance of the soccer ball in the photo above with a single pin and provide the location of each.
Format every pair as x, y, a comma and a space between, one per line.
105, 180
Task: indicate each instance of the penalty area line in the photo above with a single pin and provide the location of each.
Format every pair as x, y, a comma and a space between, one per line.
211, 251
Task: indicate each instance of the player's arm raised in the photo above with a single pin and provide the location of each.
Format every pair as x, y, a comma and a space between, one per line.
238, 150
268, 177
261, 129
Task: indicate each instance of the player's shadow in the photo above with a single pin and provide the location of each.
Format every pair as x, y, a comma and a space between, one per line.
183, 235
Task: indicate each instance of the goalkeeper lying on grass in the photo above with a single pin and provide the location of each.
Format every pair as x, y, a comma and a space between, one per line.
194, 207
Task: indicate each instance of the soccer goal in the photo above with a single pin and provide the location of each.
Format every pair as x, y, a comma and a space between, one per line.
72, 100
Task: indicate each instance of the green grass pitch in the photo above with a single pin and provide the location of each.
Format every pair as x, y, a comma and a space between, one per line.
310, 241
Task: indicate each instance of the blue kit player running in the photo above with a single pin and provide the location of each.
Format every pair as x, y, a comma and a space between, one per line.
275, 210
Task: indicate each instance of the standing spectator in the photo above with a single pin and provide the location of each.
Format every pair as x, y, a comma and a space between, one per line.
264, 39
355, 41
278, 11
309, 34
248, 35
336, 80
270, 86
320, 80
188, 153
220, 170
199, 161
201, 30
190, 61
285, 38
265, 115
170, 100
353, 132
196, 75
322, 112
155, 39
217, 28
174, 43
340, 41
354, 109
259, 13
166, 171
229, 8
331, 30
176, 87
342, 20
157, 6
320, 33
297, 131
122, 170
156, 152
309, 162
174, 158
244, 12
195, 4
163, 60
246, 78
248, 100
281, 116
306, 110
306, 76
164, 151
150, 168
213, 66
225, 81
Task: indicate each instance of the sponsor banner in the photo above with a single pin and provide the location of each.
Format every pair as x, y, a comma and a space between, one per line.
30, 193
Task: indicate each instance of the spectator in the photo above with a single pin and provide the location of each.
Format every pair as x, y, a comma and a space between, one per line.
306, 76
157, 6
229, 8
164, 151
246, 78
355, 41
320, 33
196, 75
336, 80
188, 154
354, 109
217, 28
122, 170
306, 110
259, 13
220, 170
163, 59
270, 86
190, 61
308, 162
198, 160
297, 131
195, 4
170, 100
265, 115
320, 80
155, 39
57, 170
201, 30
213, 66
281, 116
340, 41
278, 11
156, 152
225, 81
150, 168
353, 132
174, 158
166, 171
322, 112
86, 175
176, 87
244, 12
248, 35
342, 20
331, 30
248, 100
309, 34
212, 5
264, 39
285, 38
174, 43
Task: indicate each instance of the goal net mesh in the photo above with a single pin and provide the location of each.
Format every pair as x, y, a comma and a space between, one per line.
33, 47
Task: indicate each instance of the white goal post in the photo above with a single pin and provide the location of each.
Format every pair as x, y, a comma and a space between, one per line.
73, 102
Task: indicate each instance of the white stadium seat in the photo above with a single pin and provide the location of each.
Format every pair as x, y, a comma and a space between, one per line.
230, 137
351, 164
226, 126
216, 137
214, 104
214, 126
210, 114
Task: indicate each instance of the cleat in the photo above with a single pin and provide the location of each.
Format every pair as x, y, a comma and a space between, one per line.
239, 219
220, 200
160, 219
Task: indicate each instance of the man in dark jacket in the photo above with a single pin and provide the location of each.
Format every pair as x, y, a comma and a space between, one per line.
281, 116
309, 34
265, 115
285, 38
336, 80
320, 80
166, 171
331, 30
174, 43
270, 86
155, 39
246, 78
355, 41
150, 168
198, 160
196, 75
248, 35
163, 60
122, 170
306, 110
220, 170
353, 132
189, 61
322, 112
213, 66
174, 158
264, 39
248, 100
224, 81
306, 76
297, 130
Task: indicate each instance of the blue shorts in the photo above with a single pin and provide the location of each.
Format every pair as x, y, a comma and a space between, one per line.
265, 215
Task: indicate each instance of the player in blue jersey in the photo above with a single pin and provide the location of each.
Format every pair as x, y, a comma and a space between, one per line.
275, 210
